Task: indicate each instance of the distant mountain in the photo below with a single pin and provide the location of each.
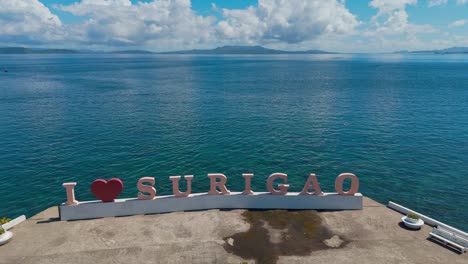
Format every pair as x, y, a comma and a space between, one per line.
130, 52
239, 50
220, 50
453, 50
21, 50
246, 50
402, 51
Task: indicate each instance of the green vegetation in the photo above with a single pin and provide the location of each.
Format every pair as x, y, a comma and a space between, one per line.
2, 231
413, 216
4, 220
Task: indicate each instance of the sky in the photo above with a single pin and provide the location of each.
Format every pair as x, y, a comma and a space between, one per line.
166, 25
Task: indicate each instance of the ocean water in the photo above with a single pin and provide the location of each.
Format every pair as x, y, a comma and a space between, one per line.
399, 122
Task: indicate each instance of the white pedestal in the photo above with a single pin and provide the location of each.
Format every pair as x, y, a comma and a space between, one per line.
203, 201
417, 225
5, 237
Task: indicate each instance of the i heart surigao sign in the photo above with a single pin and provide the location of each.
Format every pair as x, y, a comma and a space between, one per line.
107, 191
217, 197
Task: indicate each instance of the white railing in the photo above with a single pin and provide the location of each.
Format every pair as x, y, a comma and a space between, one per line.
426, 219
13, 222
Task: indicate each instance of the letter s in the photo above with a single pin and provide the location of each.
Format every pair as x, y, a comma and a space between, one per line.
146, 188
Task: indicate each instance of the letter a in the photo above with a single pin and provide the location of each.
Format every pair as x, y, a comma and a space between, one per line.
313, 184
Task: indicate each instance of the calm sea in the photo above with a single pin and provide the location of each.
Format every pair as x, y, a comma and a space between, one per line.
399, 122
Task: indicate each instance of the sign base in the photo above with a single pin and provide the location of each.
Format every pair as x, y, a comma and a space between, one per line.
204, 201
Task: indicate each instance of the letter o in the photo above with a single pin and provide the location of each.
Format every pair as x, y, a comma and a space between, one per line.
354, 184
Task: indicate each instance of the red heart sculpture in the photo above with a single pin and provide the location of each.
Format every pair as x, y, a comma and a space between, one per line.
107, 191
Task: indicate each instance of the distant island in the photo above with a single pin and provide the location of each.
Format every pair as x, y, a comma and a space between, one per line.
128, 52
245, 50
224, 50
453, 50
239, 50
22, 50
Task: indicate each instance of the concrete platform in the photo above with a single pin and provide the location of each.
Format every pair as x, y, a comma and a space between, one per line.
372, 235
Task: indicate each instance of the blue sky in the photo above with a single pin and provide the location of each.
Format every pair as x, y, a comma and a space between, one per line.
160, 25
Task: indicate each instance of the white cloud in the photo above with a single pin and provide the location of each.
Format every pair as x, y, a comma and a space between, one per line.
386, 6
392, 19
444, 2
391, 8
173, 24
27, 21
288, 21
390, 29
163, 24
459, 23
436, 3
86, 7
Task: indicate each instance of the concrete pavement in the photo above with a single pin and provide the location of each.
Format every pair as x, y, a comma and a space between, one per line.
372, 235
